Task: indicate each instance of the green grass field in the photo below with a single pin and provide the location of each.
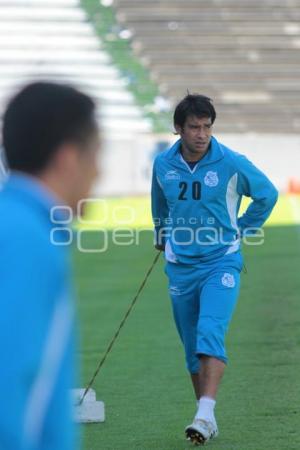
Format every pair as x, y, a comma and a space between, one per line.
144, 384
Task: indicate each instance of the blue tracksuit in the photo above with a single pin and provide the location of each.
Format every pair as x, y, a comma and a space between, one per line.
195, 213
36, 323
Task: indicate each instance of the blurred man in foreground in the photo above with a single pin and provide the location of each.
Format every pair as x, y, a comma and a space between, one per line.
51, 142
2, 168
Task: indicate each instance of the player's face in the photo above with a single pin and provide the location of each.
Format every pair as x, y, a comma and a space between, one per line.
87, 169
196, 135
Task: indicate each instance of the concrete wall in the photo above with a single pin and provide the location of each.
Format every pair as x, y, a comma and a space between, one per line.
127, 161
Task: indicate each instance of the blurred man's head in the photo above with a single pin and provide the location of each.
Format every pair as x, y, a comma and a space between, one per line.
50, 132
193, 120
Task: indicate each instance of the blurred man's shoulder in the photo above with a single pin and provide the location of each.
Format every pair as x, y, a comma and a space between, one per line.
24, 225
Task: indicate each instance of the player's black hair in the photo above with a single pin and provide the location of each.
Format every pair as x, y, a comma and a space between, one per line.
42, 117
194, 105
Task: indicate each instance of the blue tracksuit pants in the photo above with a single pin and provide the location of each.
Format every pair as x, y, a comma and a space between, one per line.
203, 299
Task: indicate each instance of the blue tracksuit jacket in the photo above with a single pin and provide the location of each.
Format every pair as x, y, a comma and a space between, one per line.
36, 323
195, 211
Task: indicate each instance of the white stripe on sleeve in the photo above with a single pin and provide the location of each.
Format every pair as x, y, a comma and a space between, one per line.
42, 390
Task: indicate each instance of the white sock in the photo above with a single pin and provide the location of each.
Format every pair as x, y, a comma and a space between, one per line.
206, 409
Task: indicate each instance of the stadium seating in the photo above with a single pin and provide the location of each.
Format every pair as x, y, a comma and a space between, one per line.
244, 54
52, 39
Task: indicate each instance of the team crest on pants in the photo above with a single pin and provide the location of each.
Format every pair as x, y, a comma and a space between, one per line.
211, 179
228, 280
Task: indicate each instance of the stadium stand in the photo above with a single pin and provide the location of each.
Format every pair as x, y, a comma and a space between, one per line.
244, 54
52, 39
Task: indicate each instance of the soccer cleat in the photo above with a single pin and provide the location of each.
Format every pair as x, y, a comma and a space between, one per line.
201, 431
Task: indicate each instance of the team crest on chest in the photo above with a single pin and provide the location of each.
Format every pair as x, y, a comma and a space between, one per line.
211, 179
172, 175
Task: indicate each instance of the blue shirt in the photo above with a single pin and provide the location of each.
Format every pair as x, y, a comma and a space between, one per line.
192, 164
36, 322
195, 210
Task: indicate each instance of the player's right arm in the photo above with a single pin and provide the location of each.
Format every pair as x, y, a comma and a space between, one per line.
160, 210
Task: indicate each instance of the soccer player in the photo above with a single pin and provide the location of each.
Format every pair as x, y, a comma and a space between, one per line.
197, 189
50, 137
